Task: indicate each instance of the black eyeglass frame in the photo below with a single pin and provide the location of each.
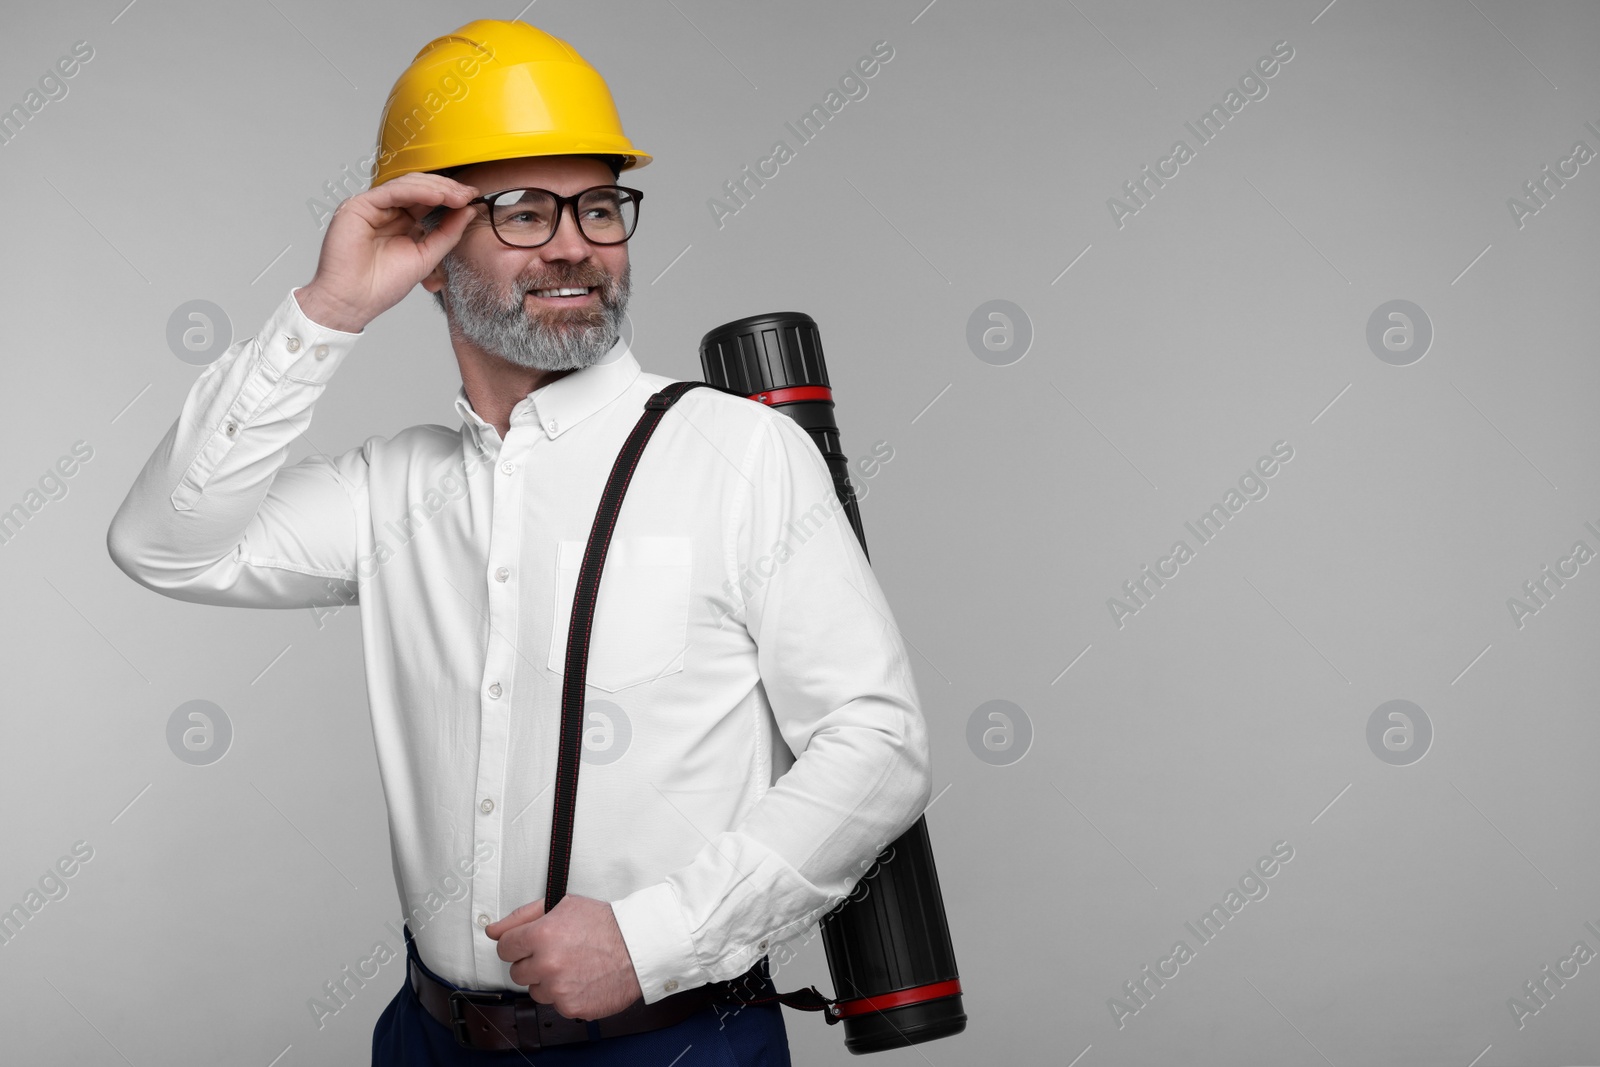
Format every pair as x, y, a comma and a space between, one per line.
561, 203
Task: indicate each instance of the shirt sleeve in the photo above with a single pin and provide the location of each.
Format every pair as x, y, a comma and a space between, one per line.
215, 517
837, 675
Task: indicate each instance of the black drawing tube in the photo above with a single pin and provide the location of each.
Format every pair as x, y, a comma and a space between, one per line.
888, 943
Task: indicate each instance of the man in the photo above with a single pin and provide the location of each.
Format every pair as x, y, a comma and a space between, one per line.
759, 735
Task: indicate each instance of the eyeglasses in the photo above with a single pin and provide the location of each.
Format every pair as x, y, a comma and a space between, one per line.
528, 218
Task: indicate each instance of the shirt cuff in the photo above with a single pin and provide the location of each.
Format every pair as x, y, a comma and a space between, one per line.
664, 957
299, 348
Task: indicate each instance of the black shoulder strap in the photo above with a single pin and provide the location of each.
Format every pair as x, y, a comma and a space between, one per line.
569, 757
577, 661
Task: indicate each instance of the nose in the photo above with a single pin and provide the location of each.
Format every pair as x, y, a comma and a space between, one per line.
568, 242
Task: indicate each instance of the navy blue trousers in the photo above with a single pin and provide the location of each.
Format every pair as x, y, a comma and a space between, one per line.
718, 1036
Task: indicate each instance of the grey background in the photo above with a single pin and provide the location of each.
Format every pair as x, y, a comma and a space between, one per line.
1228, 314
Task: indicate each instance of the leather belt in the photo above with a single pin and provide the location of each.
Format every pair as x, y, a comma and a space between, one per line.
510, 1020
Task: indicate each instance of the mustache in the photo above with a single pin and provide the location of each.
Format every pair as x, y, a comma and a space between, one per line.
573, 279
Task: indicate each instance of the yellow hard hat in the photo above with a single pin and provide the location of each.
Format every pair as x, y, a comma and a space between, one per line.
496, 89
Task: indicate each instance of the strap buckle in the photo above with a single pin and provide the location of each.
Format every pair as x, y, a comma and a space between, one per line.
458, 1022
669, 394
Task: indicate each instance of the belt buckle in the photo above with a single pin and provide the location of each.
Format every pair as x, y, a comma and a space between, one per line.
458, 1023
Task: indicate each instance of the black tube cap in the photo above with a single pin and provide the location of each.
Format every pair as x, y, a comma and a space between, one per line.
763, 352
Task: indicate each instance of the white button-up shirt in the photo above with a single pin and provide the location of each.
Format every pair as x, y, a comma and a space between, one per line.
753, 733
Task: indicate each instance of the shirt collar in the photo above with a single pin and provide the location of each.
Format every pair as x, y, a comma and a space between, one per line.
558, 406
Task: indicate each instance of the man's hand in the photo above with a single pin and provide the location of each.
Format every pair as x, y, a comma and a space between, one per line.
374, 252
573, 959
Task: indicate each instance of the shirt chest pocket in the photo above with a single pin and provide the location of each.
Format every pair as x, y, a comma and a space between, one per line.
641, 619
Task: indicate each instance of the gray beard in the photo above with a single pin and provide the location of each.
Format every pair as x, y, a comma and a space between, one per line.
500, 323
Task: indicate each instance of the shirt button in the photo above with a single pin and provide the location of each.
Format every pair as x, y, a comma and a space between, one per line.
494, 690
292, 344
488, 805
763, 942
554, 426
232, 428
502, 574
508, 466
483, 920
671, 984
321, 351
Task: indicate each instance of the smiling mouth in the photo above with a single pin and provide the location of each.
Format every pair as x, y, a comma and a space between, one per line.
565, 295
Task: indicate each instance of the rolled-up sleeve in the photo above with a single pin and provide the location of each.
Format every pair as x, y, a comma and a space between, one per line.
214, 516
836, 673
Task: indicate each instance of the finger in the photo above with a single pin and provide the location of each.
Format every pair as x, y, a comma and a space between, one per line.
445, 236
525, 972
419, 197
425, 177
525, 914
449, 203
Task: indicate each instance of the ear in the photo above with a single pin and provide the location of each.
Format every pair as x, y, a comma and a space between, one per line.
434, 280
